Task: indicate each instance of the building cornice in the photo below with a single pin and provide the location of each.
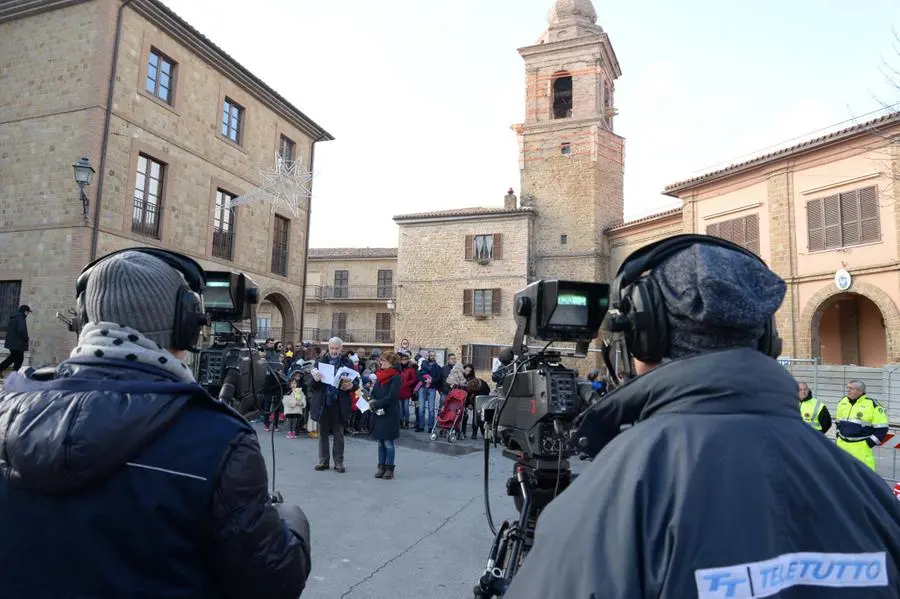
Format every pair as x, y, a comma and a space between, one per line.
173, 25
20, 9
475, 217
566, 46
874, 127
562, 125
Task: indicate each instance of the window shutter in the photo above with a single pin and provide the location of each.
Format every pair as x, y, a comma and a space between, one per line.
815, 225
832, 221
498, 246
713, 229
849, 218
495, 301
870, 215
470, 247
751, 233
467, 302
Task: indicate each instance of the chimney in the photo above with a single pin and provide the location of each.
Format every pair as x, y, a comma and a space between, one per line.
510, 202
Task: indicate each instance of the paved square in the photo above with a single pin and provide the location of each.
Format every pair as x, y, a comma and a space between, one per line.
423, 534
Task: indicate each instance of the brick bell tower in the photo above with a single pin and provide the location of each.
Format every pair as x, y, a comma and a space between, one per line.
571, 161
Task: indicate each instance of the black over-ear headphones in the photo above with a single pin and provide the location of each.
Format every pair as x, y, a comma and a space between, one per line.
638, 309
190, 317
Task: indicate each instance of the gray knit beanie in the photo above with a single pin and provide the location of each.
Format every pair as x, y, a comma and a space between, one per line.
135, 290
716, 298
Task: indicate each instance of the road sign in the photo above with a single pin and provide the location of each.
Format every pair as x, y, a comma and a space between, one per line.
404, 344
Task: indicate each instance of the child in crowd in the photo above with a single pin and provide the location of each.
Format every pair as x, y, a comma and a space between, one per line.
294, 408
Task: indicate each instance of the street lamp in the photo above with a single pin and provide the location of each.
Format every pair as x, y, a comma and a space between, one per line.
84, 173
391, 305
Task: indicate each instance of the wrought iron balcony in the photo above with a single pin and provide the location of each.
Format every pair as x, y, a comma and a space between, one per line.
372, 293
348, 336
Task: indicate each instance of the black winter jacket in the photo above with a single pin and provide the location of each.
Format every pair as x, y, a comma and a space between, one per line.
17, 333
719, 490
385, 397
117, 481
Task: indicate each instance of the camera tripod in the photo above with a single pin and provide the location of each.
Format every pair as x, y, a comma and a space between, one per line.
533, 486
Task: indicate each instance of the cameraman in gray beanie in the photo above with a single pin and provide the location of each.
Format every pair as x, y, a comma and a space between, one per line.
119, 470
716, 488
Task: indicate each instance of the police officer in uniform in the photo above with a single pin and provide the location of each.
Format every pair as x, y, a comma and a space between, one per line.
814, 412
861, 423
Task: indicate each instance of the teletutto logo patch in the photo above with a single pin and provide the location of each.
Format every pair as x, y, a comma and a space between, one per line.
769, 577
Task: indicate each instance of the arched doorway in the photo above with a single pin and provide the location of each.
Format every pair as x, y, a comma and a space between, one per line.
849, 328
275, 318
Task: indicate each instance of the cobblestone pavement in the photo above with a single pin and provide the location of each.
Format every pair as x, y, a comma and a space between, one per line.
423, 534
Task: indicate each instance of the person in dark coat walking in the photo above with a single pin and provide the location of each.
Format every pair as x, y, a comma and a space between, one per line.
124, 474
330, 405
16, 339
718, 489
386, 405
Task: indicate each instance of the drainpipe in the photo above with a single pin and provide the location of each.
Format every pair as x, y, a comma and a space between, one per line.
793, 253
312, 160
104, 150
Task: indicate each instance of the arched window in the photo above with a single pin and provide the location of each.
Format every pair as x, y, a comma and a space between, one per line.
562, 96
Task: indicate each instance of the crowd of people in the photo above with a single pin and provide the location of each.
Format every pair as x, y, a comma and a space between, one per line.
399, 389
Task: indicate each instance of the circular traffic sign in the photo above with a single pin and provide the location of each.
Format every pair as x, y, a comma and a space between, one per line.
404, 344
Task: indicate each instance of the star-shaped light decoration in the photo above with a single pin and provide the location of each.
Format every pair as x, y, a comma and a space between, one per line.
289, 184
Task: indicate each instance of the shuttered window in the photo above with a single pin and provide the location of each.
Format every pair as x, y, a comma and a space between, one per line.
843, 220
481, 302
743, 231
484, 248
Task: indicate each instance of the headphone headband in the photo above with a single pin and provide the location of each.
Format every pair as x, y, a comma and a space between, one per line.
190, 268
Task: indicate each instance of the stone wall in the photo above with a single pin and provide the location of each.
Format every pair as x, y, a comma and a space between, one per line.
433, 274
52, 106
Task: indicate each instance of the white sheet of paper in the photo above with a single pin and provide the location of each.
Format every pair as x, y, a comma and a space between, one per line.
327, 372
495, 364
345, 373
363, 405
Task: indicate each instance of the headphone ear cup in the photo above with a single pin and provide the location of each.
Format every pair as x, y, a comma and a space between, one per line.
188, 319
648, 339
771, 343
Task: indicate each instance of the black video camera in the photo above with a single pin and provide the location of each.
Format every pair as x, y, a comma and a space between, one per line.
535, 412
231, 368
539, 397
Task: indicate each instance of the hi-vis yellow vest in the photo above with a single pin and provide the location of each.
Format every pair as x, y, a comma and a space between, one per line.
858, 421
810, 410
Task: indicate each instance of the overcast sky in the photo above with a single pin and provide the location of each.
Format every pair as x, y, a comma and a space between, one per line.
420, 94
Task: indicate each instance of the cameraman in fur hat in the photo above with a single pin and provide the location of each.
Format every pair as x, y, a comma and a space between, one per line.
718, 489
122, 477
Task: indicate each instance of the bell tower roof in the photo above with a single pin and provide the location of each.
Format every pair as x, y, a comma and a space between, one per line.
570, 19
566, 12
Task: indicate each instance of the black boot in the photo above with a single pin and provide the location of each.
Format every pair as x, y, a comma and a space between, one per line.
388, 472
322, 466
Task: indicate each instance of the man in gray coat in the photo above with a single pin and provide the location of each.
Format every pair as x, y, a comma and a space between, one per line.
719, 489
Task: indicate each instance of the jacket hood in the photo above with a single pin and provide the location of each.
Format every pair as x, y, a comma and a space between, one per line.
64, 435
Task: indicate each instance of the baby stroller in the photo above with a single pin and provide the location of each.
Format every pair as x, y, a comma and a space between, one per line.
449, 420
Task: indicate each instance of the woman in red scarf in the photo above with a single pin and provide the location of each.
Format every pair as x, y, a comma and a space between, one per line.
386, 406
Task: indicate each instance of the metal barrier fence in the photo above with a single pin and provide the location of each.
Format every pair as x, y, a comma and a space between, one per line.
829, 384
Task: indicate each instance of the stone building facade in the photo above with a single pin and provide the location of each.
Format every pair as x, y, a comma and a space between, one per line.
168, 160
351, 294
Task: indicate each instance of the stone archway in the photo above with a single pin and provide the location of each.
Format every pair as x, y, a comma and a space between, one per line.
825, 298
284, 328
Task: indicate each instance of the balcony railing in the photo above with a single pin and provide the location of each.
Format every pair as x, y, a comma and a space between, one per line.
145, 218
351, 292
350, 336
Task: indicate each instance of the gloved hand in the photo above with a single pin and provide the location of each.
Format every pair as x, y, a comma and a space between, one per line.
296, 521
